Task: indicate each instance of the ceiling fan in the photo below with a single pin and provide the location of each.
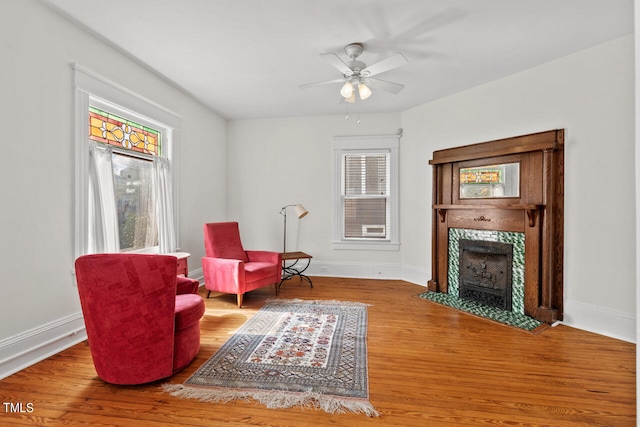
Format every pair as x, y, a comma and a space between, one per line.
356, 76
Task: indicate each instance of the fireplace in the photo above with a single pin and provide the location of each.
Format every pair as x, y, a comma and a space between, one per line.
486, 272
514, 189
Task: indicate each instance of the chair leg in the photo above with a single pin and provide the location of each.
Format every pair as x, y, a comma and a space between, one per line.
240, 300
208, 293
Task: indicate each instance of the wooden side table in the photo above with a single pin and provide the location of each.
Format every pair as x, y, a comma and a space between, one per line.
183, 267
288, 271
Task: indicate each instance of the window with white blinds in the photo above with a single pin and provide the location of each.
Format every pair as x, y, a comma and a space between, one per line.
366, 192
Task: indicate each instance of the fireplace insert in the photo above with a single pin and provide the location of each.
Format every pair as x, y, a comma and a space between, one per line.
486, 272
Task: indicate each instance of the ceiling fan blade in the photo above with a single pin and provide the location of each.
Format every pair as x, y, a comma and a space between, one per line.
325, 82
386, 86
335, 60
390, 63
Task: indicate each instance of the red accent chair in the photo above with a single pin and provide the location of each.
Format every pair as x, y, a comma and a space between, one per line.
139, 330
229, 269
187, 285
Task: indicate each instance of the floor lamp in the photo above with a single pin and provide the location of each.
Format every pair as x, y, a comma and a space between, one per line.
300, 211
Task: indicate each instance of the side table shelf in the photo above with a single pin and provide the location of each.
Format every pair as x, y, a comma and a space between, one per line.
289, 271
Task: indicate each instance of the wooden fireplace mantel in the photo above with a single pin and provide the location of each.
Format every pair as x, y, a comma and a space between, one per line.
531, 211
537, 212
507, 207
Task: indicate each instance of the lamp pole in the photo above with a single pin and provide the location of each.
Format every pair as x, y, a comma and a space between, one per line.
283, 212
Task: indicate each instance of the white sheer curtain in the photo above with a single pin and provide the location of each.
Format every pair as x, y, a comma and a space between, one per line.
102, 221
164, 202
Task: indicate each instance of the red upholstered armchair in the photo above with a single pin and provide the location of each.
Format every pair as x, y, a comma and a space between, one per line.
186, 285
228, 268
138, 329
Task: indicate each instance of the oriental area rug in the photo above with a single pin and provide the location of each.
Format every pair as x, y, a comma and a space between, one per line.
291, 353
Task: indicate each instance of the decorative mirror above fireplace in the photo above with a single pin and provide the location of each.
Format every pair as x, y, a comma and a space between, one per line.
512, 189
490, 182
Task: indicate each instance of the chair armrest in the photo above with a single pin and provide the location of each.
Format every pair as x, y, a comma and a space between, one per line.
265, 256
224, 275
186, 285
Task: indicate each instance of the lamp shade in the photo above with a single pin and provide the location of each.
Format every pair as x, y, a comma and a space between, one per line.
351, 99
364, 91
301, 212
347, 89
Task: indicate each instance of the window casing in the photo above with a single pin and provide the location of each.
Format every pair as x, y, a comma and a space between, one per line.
366, 193
137, 155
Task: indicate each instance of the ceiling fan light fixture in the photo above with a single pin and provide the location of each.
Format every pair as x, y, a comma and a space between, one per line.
356, 75
364, 91
347, 89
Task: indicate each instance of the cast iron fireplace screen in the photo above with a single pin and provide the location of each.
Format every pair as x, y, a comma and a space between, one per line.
486, 272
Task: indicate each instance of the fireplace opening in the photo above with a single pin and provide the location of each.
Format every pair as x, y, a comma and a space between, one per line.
485, 270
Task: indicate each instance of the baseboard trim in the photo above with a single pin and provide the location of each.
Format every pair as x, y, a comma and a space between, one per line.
197, 274
415, 275
361, 270
368, 270
23, 350
599, 320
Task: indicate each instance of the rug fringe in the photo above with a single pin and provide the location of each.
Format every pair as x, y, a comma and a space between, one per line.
274, 400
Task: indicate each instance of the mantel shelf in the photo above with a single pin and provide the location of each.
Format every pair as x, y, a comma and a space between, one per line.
524, 207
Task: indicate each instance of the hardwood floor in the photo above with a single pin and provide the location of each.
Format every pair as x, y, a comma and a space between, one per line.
428, 366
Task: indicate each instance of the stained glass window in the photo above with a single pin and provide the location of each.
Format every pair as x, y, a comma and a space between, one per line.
480, 176
114, 130
132, 176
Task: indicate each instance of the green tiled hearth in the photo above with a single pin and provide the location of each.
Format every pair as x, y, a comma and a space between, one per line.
506, 317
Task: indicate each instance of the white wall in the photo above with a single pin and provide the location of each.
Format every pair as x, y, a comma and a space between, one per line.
39, 307
276, 162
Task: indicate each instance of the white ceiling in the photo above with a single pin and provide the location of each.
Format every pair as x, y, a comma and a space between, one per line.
247, 58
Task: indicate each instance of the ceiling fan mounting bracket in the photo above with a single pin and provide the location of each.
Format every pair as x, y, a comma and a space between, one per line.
353, 50
356, 66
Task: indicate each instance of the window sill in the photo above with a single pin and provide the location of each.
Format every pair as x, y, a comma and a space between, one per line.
366, 246
149, 250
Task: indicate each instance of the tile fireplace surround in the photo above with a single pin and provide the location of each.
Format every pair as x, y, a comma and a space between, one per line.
516, 239
528, 215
